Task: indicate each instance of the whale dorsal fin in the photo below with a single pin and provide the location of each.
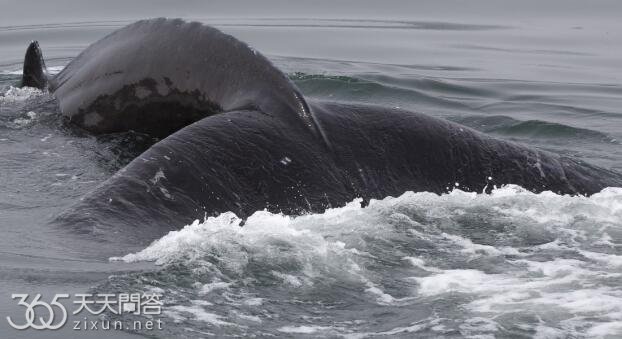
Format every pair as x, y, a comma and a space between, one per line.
162, 62
35, 73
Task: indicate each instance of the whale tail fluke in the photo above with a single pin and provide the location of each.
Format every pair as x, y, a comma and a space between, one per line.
35, 73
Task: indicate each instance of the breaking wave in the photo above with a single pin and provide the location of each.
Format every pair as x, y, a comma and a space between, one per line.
475, 265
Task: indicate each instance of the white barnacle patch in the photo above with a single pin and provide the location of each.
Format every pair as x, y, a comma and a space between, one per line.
92, 119
165, 193
163, 89
141, 92
286, 161
118, 103
159, 175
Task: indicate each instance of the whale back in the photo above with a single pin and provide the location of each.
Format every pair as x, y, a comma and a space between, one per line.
158, 75
243, 162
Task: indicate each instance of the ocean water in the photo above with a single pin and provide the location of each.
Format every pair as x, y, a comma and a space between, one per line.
510, 264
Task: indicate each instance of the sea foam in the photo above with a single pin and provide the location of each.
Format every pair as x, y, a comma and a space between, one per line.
550, 264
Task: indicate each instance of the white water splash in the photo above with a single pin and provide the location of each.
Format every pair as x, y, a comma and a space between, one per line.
547, 263
19, 94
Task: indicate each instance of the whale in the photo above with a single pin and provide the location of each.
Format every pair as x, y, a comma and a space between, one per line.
235, 134
156, 76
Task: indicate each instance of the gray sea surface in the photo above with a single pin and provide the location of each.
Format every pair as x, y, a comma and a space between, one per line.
511, 264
